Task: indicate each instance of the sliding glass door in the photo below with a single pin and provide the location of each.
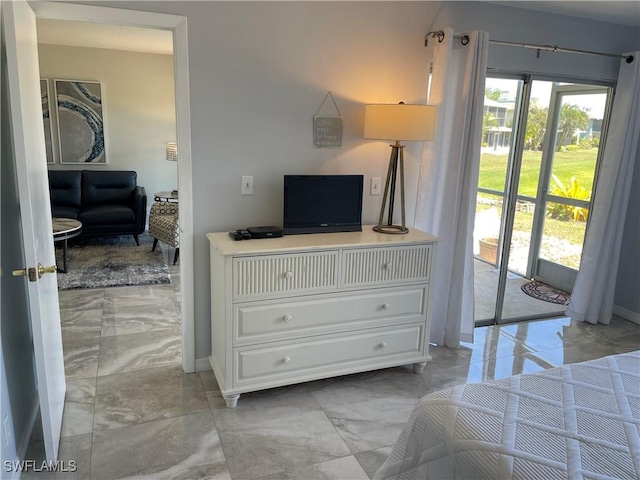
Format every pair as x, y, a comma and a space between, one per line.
571, 151
538, 167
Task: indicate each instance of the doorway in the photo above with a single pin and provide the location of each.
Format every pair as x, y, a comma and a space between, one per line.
24, 70
178, 26
541, 144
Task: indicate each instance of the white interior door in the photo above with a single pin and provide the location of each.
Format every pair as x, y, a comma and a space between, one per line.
23, 78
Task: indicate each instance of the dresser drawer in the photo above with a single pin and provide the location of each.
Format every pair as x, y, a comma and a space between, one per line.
362, 267
274, 275
274, 320
266, 364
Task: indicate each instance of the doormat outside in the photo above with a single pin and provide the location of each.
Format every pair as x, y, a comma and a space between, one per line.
112, 261
547, 293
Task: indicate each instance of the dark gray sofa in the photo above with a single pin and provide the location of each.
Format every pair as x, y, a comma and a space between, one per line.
107, 202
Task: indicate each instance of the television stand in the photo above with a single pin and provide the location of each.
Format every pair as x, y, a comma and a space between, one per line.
304, 307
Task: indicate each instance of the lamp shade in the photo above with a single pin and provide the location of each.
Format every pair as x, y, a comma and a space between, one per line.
172, 152
400, 122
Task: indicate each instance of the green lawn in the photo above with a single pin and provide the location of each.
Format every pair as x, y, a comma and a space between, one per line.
577, 163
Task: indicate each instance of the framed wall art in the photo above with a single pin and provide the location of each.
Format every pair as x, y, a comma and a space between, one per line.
46, 119
80, 121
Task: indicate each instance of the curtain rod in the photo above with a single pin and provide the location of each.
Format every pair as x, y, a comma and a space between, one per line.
464, 39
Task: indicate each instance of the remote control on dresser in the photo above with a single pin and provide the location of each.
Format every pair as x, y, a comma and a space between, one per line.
244, 233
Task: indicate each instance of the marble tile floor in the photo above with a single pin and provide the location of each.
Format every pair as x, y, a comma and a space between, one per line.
132, 413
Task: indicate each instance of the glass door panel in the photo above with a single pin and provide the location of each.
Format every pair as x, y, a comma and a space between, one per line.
486, 241
573, 149
562, 236
497, 139
538, 161
521, 237
527, 187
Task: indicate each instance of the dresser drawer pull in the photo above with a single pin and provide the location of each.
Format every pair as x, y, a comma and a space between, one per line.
288, 274
388, 265
383, 345
287, 318
286, 360
386, 306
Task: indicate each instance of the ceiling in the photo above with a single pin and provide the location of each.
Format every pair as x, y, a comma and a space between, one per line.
96, 35
619, 12
117, 37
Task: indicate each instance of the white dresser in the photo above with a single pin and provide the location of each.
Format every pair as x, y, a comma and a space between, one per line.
303, 307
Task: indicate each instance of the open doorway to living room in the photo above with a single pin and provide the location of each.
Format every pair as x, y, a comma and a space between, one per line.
538, 168
120, 296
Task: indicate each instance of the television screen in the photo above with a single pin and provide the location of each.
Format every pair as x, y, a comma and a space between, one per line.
322, 203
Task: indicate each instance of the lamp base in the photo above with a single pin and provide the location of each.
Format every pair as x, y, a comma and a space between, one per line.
394, 229
396, 160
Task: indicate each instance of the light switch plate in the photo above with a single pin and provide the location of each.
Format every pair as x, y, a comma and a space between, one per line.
247, 185
375, 185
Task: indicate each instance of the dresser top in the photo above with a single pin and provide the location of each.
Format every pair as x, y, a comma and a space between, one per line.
225, 245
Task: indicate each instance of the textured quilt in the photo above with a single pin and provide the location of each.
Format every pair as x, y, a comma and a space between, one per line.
579, 421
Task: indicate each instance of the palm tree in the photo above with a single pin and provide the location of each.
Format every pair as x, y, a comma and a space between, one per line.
489, 121
536, 126
571, 119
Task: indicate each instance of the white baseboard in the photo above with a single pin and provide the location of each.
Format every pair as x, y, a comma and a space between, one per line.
627, 314
203, 364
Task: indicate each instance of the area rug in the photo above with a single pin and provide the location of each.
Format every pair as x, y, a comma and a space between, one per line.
113, 261
545, 292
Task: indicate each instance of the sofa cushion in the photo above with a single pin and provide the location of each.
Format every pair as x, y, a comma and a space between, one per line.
107, 215
64, 212
65, 188
107, 187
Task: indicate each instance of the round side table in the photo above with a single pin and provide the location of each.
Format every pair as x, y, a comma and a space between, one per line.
63, 230
166, 196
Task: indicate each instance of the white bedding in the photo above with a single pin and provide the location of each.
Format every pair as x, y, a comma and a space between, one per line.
579, 421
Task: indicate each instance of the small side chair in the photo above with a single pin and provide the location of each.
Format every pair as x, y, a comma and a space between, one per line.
164, 226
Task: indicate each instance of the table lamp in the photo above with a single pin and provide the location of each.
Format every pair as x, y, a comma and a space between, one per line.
397, 122
172, 156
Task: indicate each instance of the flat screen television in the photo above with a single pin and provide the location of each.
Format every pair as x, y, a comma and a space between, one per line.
322, 203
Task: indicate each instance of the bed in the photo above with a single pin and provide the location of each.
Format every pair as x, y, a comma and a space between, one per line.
579, 421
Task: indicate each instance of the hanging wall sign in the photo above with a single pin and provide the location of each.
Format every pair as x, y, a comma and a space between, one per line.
327, 129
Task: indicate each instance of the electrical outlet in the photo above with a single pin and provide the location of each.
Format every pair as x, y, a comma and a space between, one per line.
247, 185
375, 185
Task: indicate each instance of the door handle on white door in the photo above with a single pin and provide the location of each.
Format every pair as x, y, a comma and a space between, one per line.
42, 270
30, 273
34, 274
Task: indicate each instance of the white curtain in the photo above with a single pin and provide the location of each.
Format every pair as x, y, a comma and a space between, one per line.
593, 293
448, 181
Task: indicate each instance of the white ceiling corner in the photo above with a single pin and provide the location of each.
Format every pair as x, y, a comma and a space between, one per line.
620, 12
118, 37
95, 35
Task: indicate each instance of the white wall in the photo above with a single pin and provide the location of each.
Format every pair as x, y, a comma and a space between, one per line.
139, 108
259, 71
627, 299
